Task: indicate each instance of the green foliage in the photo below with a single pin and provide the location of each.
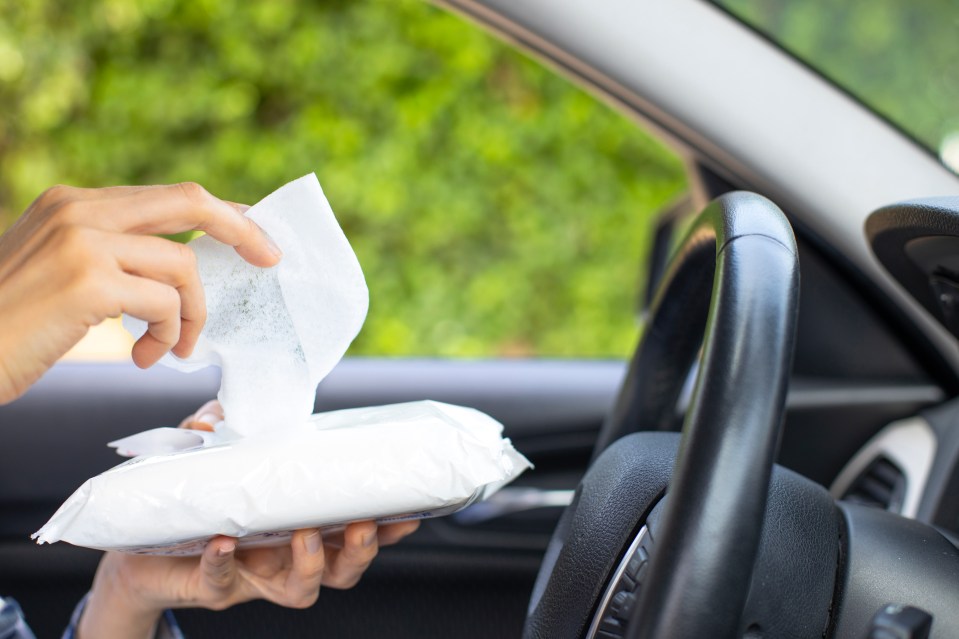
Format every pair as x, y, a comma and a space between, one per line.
495, 208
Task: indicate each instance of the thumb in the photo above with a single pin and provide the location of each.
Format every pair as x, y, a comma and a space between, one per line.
218, 563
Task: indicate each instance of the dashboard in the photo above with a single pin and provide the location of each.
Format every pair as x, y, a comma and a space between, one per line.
911, 465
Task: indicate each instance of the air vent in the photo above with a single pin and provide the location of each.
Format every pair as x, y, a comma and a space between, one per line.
881, 485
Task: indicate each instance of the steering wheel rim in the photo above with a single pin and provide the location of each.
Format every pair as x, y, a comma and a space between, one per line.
697, 582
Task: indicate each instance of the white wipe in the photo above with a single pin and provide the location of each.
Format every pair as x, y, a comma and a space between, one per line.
271, 468
277, 332
386, 463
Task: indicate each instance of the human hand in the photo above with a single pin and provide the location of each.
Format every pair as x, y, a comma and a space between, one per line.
78, 256
131, 591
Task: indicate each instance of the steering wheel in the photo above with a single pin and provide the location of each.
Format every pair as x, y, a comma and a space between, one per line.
689, 562
700, 534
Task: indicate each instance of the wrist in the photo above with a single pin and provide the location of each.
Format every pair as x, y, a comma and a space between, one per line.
8, 390
114, 610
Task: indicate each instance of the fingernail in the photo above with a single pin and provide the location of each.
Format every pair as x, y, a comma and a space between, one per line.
369, 538
226, 549
312, 542
242, 208
270, 244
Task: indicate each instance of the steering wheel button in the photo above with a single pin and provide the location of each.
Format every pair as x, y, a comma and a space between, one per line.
635, 565
622, 605
612, 626
900, 622
616, 605
644, 546
641, 573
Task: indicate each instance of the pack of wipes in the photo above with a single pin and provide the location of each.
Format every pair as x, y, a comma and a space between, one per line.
271, 466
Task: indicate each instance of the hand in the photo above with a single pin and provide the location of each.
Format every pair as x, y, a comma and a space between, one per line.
131, 591
78, 256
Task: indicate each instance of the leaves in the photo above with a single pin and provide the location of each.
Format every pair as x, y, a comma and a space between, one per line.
496, 209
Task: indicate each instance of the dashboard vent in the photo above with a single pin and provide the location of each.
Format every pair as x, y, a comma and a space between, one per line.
881, 485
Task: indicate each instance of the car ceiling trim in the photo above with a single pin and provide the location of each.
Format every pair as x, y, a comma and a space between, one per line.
910, 444
750, 110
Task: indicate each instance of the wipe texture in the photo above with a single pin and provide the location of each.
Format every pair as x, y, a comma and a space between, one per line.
277, 332
386, 463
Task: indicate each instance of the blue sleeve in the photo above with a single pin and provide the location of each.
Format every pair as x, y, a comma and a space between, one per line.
166, 629
12, 625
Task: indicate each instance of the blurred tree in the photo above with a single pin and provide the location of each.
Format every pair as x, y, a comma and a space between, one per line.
495, 208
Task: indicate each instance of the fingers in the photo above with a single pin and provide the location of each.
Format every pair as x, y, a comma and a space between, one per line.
80, 256
181, 207
345, 566
303, 581
171, 264
147, 277
390, 534
218, 568
205, 417
159, 306
289, 576
387, 534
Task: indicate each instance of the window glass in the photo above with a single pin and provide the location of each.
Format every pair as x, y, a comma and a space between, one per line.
496, 209
897, 57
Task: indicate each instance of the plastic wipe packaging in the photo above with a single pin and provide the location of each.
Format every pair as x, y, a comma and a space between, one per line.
271, 467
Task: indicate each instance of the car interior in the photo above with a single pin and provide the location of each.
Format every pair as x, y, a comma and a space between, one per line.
777, 459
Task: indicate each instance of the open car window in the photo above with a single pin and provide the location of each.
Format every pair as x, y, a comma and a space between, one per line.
496, 209
896, 57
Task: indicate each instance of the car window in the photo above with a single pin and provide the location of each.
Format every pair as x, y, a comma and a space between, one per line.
497, 210
896, 57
